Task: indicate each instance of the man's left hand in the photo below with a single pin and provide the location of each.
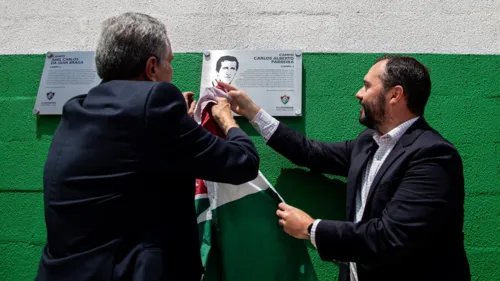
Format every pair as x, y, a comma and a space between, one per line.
294, 221
190, 102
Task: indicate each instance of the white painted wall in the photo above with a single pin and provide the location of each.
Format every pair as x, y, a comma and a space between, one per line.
412, 26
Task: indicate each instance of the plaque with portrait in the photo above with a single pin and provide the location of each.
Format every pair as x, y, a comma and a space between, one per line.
272, 78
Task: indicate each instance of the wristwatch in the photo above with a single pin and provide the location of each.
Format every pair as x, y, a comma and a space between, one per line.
309, 229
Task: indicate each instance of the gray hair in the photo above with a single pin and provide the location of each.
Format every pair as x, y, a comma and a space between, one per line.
127, 41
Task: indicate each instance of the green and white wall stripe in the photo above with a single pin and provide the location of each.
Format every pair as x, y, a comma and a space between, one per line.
458, 40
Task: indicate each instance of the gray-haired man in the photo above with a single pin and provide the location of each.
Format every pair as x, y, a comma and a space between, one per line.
119, 181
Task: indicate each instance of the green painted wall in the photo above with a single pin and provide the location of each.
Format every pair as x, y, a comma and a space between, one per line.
464, 106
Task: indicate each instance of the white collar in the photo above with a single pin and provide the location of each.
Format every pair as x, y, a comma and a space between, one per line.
395, 134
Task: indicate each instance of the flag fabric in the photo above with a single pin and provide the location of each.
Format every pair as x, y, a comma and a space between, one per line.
239, 233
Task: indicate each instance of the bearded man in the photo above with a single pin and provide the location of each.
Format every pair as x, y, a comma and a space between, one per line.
405, 183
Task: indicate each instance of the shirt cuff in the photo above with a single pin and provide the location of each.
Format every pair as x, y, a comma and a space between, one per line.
313, 232
265, 124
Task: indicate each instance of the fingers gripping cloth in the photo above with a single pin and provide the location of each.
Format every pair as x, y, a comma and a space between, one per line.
205, 103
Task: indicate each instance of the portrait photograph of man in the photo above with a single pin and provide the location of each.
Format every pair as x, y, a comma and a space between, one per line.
226, 69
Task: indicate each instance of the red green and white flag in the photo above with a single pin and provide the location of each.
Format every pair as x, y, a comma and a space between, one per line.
239, 232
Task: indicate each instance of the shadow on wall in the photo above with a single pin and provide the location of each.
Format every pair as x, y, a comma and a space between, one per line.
314, 193
46, 125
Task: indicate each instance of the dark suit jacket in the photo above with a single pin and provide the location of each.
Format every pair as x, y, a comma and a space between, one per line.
119, 184
412, 224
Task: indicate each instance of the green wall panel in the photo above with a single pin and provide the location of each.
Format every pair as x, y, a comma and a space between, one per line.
464, 106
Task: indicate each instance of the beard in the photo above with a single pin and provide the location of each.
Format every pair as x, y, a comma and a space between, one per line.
374, 114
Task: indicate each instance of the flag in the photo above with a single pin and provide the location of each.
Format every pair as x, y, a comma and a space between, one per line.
239, 233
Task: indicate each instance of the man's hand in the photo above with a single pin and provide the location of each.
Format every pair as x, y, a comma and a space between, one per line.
190, 102
240, 101
222, 114
294, 221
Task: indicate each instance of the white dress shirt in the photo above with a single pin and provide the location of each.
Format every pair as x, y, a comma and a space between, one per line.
266, 125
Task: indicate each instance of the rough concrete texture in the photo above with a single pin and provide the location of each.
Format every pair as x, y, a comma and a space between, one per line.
464, 107
426, 26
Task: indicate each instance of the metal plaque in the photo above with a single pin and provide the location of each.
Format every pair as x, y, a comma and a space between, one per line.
272, 78
65, 75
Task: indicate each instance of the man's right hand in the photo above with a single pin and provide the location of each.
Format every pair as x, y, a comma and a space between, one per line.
222, 115
240, 101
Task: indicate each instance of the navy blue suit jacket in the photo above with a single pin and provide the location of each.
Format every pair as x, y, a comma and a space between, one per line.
411, 228
119, 184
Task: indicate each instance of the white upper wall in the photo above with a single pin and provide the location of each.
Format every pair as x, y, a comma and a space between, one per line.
361, 26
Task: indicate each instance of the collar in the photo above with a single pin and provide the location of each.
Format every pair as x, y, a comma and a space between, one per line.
395, 134
220, 88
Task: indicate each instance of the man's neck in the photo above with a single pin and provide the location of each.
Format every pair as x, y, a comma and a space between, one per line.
394, 123
140, 77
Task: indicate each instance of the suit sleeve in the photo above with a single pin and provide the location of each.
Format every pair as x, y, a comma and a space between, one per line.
331, 158
197, 151
430, 190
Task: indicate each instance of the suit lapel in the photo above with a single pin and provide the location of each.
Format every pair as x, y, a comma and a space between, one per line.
354, 182
395, 153
399, 149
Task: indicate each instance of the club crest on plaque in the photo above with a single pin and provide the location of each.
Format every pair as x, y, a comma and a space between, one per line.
50, 95
285, 99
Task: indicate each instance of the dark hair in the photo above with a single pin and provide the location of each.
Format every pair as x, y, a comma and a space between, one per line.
226, 58
410, 74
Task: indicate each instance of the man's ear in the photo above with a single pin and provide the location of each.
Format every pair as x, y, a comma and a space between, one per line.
396, 94
151, 69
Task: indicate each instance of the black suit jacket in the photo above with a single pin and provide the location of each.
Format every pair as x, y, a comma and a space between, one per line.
412, 224
119, 184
